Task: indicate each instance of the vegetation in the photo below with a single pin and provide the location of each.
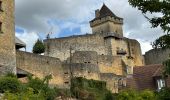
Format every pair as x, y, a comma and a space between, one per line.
39, 47
84, 89
162, 42
155, 6
130, 94
34, 89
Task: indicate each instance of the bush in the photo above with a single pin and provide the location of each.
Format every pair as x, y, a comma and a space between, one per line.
109, 96
164, 94
148, 95
42, 86
10, 84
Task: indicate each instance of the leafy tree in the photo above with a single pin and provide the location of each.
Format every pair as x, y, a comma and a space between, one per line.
155, 6
39, 47
166, 70
162, 42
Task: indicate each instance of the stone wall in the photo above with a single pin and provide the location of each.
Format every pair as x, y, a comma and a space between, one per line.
7, 38
107, 24
40, 66
61, 47
112, 81
156, 56
111, 64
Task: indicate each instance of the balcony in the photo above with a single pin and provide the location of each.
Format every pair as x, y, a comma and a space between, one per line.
121, 52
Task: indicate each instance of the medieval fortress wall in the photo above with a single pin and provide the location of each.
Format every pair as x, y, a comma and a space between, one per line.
156, 56
103, 55
41, 66
61, 47
7, 37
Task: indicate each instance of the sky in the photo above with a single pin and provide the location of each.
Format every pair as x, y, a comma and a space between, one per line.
34, 19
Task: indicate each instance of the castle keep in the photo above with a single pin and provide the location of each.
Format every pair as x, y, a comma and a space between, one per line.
105, 54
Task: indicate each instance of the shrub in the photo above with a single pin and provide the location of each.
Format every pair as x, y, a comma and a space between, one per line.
148, 95
164, 94
10, 84
42, 86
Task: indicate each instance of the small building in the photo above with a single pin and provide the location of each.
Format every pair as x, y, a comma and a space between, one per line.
147, 77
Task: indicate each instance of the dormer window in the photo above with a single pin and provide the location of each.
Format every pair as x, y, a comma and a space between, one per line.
160, 84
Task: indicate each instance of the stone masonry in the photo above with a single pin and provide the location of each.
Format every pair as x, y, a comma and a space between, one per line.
104, 55
7, 37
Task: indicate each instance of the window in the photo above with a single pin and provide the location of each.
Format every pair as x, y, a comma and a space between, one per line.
160, 83
66, 82
1, 6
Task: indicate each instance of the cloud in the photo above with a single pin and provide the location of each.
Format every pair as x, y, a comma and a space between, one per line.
33, 15
28, 38
39, 16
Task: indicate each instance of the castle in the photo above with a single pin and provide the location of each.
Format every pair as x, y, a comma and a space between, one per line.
103, 55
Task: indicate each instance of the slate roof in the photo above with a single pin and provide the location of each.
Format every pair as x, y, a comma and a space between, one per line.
105, 11
19, 43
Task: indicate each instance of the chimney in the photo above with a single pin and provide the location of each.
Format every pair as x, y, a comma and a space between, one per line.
97, 13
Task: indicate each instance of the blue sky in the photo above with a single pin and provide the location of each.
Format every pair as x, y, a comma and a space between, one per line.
36, 18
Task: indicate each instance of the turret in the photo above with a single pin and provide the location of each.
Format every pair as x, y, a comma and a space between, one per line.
106, 22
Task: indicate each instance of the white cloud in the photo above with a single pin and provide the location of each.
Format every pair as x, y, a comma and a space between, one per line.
28, 38
33, 16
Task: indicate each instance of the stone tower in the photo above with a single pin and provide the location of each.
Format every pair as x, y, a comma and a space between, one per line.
106, 21
7, 37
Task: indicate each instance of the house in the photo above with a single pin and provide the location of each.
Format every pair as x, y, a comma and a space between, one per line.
147, 77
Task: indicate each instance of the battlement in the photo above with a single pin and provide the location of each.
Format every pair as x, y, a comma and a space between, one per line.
106, 21
99, 21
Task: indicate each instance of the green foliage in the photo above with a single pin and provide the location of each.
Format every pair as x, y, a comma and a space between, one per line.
155, 6
10, 84
148, 95
35, 89
109, 96
162, 42
166, 65
39, 47
164, 94
39, 85
24, 95
135, 95
85, 89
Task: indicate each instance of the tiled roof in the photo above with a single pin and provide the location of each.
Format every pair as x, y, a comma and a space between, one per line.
142, 77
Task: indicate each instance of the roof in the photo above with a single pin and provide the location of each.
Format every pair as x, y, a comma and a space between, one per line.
105, 11
19, 43
143, 77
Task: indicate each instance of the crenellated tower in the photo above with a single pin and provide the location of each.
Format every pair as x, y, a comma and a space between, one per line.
106, 22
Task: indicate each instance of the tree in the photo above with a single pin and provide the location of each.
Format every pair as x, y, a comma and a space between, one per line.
162, 42
155, 6
39, 47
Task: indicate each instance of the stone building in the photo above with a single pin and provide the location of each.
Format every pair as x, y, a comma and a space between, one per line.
106, 40
103, 55
156, 56
7, 37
